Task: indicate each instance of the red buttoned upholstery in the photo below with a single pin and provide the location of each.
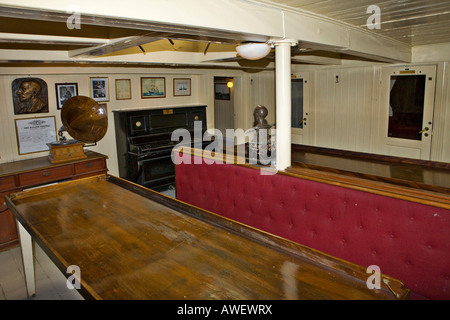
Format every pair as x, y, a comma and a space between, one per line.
407, 240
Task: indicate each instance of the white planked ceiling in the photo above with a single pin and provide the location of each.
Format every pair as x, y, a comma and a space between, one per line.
414, 22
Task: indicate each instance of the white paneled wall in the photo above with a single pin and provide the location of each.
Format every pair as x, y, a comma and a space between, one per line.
53, 75
342, 110
443, 118
262, 92
8, 147
248, 94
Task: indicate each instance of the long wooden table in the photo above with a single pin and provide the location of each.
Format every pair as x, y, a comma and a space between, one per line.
133, 243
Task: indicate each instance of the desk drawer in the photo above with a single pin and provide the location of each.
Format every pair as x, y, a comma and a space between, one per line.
7, 183
89, 166
46, 175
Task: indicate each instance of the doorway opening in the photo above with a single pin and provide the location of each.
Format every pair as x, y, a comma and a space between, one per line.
407, 111
299, 108
224, 113
297, 118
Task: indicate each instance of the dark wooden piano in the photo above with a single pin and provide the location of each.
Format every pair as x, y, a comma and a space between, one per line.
144, 142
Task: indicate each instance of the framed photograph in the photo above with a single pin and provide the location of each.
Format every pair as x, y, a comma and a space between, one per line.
30, 95
153, 88
221, 91
181, 87
33, 134
99, 89
65, 91
123, 89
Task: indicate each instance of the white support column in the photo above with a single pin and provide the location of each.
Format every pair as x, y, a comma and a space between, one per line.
283, 101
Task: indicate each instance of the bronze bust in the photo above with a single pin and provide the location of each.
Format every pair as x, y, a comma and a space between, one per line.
259, 115
261, 148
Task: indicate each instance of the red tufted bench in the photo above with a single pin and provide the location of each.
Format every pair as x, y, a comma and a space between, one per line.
407, 240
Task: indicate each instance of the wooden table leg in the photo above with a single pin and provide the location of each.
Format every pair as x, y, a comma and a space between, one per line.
27, 248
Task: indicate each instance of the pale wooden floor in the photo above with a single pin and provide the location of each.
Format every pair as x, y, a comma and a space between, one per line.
50, 282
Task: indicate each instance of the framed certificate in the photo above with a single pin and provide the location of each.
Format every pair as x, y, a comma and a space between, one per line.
33, 134
123, 89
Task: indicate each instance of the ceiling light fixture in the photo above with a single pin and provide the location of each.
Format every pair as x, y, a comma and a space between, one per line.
253, 50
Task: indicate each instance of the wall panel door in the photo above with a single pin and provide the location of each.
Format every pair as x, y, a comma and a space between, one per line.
224, 113
406, 111
300, 122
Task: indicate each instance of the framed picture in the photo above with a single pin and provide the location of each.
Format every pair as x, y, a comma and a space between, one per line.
153, 88
123, 89
30, 95
65, 91
33, 134
221, 91
99, 89
181, 87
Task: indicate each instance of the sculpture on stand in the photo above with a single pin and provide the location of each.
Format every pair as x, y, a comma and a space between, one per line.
261, 149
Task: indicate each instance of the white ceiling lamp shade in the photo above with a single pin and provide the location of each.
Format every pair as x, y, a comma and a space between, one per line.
253, 50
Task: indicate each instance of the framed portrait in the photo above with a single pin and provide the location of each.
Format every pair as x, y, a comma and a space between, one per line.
153, 88
30, 95
123, 89
221, 91
181, 87
65, 91
33, 134
99, 89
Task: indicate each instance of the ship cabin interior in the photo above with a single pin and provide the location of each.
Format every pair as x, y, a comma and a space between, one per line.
354, 95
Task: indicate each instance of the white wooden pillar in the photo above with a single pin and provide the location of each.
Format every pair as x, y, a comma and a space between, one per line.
27, 249
283, 101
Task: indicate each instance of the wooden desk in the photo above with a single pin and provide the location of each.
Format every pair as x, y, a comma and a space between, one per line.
133, 243
18, 175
